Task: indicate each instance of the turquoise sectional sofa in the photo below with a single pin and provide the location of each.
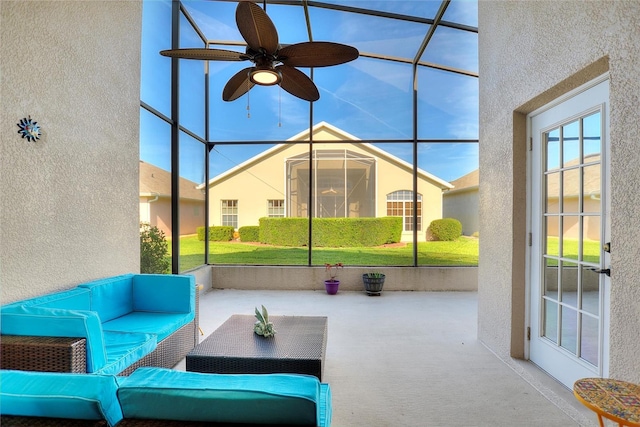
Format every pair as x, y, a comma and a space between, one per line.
128, 321
152, 396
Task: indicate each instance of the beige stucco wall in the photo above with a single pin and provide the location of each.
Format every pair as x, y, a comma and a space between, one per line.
531, 53
312, 278
69, 202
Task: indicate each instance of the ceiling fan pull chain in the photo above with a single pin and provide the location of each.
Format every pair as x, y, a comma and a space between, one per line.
279, 106
248, 103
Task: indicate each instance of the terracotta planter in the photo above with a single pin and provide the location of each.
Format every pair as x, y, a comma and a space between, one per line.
332, 286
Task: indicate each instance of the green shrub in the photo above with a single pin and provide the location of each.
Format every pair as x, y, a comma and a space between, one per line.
154, 250
331, 232
445, 229
219, 233
249, 233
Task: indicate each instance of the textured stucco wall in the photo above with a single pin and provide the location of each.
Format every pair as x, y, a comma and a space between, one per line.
531, 53
69, 202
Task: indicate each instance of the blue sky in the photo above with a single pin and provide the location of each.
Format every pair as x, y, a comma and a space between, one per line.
369, 98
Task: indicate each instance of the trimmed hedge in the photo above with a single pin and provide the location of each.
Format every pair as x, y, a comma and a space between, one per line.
445, 229
331, 232
219, 233
249, 233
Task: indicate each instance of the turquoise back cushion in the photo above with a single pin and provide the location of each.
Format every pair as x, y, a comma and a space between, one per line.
156, 393
56, 322
111, 297
73, 299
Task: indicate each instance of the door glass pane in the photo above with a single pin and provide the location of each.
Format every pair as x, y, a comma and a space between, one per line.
552, 184
589, 339
591, 188
591, 239
570, 144
569, 283
570, 190
551, 278
550, 326
551, 228
569, 329
590, 292
553, 149
570, 234
591, 143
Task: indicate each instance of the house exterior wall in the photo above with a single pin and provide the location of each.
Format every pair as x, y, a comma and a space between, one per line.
530, 54
463, 206
254, 185
69, 210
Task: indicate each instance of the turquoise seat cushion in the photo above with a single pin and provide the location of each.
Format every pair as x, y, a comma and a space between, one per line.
161, 324
111, 297
125, 348
285, 399
60, 395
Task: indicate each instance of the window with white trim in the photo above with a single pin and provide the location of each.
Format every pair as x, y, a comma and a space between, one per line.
229, 213
400, 203
275, 208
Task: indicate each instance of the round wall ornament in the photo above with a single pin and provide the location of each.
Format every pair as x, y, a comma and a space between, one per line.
29, 129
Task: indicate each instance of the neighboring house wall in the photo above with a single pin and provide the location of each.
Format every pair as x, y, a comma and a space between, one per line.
530, 54
463, 206
69, 200
462, 202
155, 201
262, 178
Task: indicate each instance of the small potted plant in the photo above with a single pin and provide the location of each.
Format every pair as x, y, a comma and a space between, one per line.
332, 284
373, 282
263, 326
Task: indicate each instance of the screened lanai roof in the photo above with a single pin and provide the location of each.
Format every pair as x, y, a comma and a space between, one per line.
416, 79
375, 93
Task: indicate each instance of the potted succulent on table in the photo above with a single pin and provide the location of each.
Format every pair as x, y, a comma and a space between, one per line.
332, 284
373, 282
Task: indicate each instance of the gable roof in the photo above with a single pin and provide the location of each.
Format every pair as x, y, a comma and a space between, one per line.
336, 134
155, 181
468, 182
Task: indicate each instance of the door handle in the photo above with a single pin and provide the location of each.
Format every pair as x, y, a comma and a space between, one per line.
606, 271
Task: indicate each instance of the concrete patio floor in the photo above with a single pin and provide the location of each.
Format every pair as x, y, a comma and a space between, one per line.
411, 359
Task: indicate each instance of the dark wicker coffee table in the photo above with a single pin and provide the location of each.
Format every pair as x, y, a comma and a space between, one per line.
298, 347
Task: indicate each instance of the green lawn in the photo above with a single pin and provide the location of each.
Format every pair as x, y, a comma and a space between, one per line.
590, 249
463, 252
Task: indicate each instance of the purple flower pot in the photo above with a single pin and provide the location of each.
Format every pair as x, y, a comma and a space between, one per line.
332, 286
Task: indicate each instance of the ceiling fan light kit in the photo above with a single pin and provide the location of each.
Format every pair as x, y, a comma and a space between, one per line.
273, 65
265, 76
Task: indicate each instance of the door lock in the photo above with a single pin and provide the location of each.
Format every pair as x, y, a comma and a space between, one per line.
606, 271
607, 247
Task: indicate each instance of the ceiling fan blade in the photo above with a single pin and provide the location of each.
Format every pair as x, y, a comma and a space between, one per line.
205, 54
256, 27
317, 54
298, 83
237, 85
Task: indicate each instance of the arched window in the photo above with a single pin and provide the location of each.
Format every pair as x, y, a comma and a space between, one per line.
400, 203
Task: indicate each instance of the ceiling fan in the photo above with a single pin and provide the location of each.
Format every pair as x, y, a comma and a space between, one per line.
272, 64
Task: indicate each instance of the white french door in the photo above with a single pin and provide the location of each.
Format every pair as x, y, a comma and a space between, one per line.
570, 228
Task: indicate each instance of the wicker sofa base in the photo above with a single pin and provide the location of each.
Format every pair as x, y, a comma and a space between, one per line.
11, 421
48, 354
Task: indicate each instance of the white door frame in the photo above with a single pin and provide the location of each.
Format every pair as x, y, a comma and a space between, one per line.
603, 367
